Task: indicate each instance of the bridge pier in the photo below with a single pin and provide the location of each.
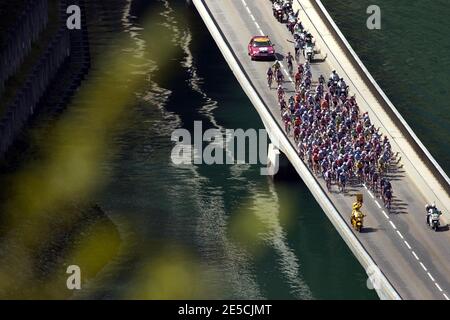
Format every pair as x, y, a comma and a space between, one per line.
278, 165
273, 160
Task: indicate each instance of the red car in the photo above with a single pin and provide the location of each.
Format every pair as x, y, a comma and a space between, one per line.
260, 47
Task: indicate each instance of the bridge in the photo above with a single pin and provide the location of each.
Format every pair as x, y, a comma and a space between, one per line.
414, 261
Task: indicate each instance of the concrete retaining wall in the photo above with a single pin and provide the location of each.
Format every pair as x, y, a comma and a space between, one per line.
19, 38
23, 105
67, 49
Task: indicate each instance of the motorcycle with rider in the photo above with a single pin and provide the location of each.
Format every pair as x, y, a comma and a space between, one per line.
357, 217
432, 216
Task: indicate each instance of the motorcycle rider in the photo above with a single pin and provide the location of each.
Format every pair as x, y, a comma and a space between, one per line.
334, 76
430, 209
356, 212
341, 84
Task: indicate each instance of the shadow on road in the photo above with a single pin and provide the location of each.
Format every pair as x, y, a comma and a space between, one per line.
279, 56
368, 230
443, 228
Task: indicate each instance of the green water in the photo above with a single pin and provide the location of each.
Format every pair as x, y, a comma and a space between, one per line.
250, 237
226, 231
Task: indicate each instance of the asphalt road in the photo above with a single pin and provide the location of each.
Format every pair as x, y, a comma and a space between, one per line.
415, 259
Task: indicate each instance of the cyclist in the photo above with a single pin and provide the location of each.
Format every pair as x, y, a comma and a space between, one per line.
290, 59
269, 77
280, 92
322, 79
298, 80
298, 46
276, 66
280, 77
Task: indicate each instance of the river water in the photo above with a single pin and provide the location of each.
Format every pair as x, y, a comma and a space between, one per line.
240, 234
225, 231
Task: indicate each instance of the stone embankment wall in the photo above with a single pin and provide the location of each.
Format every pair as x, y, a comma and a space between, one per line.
20, 36
67, 49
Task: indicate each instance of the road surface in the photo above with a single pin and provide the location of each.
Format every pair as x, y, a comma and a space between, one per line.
415, 259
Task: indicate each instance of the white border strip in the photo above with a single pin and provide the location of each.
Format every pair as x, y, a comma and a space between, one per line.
385, 289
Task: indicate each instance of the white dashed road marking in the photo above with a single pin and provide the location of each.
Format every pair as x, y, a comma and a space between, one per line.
407, 244
393, 225
431, 277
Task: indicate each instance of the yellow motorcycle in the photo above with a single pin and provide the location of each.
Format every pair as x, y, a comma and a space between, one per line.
357, 218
